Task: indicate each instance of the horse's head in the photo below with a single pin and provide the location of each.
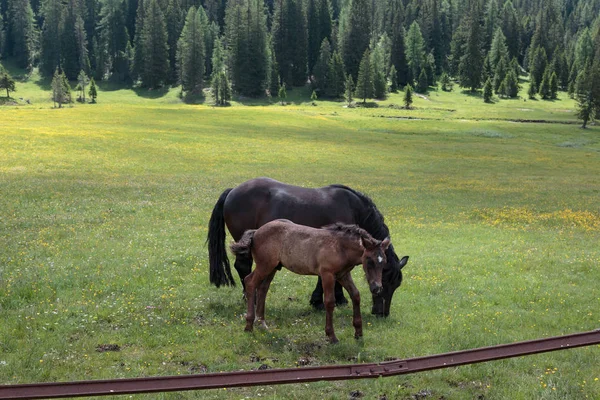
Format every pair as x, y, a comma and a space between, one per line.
374, 261
392, 278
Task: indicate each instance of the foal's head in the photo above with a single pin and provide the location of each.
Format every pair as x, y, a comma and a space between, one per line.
373, 261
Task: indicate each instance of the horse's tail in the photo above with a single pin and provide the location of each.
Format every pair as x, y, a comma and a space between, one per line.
243, 247
220, 271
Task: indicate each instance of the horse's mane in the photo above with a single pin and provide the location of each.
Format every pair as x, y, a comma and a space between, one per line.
369, 218
354, 231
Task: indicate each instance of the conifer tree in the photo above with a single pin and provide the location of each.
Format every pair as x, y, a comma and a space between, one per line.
531, 92
355, 35
50, 40
290, 42
538, 66
422, 84
349, 89
446, 83
393, 78
487, 91
282, 93
553, 86
155, 68
175, 19
2, 36
471, 62
321, 67
336, 76
313, 98
138, 49
587, 103
415, 51
21, 33
7, 83
545, 90
82, 45
93, 91
59, 94
365, 85
510, 85
500, 73
398, 49
191, 53
498, 50
73, 42
113, 40
82, 81
408, 96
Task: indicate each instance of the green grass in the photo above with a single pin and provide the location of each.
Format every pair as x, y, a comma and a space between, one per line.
104, 211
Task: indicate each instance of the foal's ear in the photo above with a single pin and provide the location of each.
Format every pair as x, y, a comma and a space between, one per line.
385, 243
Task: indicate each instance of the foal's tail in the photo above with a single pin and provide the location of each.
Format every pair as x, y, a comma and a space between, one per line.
220, 271
243, 247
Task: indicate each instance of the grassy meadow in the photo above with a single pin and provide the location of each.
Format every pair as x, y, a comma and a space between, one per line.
104, 211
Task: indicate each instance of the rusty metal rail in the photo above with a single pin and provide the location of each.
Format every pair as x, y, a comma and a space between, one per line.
295, 375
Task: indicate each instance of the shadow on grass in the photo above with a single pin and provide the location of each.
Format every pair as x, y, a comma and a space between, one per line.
470, 93
151, 93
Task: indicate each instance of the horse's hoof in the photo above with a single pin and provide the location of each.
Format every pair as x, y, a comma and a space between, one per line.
263, 325
318, 306
333, 340
358, 336
248, 328
341, 301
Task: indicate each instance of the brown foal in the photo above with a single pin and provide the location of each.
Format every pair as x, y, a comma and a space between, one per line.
331, 252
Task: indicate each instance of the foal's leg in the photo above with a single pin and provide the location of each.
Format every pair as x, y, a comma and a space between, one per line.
243, 266
349, 285
316, 299
263, 288
252, 282
328, 287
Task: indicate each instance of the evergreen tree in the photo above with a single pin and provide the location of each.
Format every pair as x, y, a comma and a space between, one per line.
336, 76
113, 40
487, 91
587, 103
365, 83
545, 90
246, 38
471, 62
59, 92
395, 31
138, 50
82, 45
531, 92
174, 21
498, 49
584, 50
321, 67
66, 88
422, 85
93, 91
7, 83
313, 98
355, 34
500, 73
82, 81
349, 89
70, 60
155, 68
393, 78
21, 33
290, 42
220, 87
50, 52
509, 22
553, 86
282, 93
191, 53
510, 85
408, 96
415, 51
446, 83
538, 66
314, 33
487, 72
2, 37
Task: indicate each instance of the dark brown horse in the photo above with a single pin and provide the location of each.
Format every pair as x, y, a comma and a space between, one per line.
258, 201
331, 253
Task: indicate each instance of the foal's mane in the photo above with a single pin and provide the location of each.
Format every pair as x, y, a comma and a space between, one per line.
353, 231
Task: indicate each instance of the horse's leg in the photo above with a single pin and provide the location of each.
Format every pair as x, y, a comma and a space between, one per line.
243, 266
250, 283
328, 289
316, 299
263, 289
349, 285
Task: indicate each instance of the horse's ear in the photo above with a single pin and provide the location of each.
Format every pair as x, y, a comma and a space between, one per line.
403, 261
385, 243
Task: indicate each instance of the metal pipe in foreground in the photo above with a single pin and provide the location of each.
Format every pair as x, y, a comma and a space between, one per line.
295, 375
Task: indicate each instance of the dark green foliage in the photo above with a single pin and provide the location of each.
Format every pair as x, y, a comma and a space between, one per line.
174, 21
191, 53
422, 83
21, 34
138, 57
220, 87
408, 96
510, 85
356, 34
112, 55
588, 102
349, 89
93, 91
73, 43
247, 45
553, 86
498, 50
393, 78
321, 68
7, 83
290, 41
282, 93
446, 83
500, 74
82, 81
487, 91
50, 40
395, 30
538, 65
336, 76
365, 83
531, 92
155, 67
545, 90
313, 97
61, 91
471, 62
415, 51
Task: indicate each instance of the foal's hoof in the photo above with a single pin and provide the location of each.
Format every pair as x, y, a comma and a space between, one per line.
248, 328
333, 340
